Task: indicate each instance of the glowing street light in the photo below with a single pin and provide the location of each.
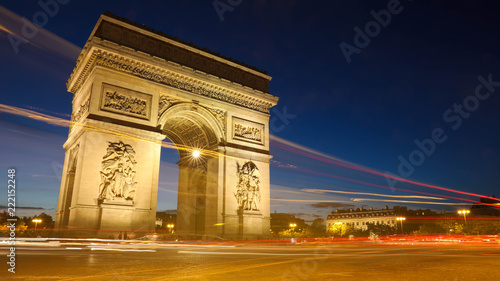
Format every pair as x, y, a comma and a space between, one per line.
293, 226
464, 212
36, 221
196, 154
341, 227
401, 219
170, 227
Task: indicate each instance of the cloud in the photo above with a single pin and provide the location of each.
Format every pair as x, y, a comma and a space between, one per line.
300, 214
329, 205
23, 208
169, 211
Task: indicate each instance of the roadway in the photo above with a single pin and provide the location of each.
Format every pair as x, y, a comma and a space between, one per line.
341, 261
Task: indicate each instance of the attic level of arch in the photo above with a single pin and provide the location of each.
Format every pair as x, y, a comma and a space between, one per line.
98, 54
159, 59
156, 47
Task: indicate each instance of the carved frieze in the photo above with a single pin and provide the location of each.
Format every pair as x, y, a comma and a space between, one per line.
125, 101
180, 82
248, 188
118, 169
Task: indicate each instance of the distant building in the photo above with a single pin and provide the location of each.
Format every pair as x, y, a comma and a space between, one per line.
360, 218
165, 218
282, 221
490, 207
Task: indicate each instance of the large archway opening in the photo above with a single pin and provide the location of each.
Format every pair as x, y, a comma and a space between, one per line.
195, 132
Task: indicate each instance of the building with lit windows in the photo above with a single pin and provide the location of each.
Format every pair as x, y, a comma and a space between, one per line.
361, 218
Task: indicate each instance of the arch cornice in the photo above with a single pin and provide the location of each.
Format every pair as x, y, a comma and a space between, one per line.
97, 53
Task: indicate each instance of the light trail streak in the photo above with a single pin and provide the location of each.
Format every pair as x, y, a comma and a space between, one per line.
209, 153
43, 39
56, 121
452, 218
403, 201
121, 250
321, 191
277, 142
386, 187
309, 200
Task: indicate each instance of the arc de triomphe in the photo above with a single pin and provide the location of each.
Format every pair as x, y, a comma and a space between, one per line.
133, 87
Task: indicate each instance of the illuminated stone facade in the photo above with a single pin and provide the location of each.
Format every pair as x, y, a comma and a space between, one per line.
360, 218
133, 87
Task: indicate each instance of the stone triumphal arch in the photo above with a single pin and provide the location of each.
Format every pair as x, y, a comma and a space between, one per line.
134, 87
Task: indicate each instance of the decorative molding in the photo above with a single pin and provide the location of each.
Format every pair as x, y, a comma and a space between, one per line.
125, 101
84, 107
175, 80
164, 103
221, 117
118, 169
248, 189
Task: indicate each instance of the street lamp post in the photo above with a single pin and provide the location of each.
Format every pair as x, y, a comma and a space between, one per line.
36, 221
464, 212
401, 219
293, 226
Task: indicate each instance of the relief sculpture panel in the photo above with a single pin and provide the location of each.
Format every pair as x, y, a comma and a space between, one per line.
248, 189
248, 131
118, 169
124, 101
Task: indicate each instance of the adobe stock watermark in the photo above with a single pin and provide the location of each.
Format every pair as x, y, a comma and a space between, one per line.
372, 29
453, 116
12, 219
307, 267
280, 120
49, 9
222, 6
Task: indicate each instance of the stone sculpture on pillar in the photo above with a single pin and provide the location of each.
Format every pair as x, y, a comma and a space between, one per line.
248, 189
118, 172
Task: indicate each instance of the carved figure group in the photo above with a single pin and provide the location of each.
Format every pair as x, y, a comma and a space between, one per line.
118, 172
247, 132
125, 103
248, 189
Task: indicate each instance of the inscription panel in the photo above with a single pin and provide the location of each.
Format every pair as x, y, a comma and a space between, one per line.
249, 131
127, 102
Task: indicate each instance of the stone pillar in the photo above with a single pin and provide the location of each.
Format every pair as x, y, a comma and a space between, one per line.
247, 194
114, 185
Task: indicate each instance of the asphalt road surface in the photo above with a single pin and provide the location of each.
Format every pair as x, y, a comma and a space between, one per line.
235, 262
